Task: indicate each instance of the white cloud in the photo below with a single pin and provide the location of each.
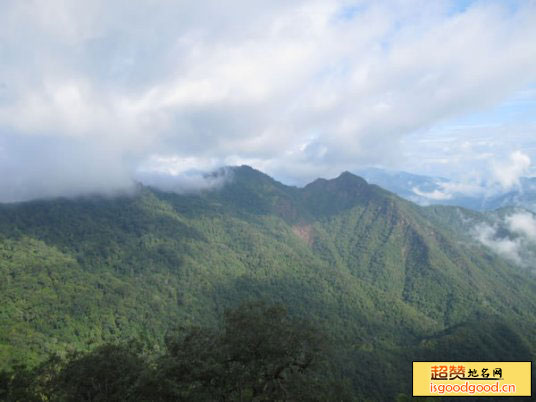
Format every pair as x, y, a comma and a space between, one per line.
504, 246
522, 223
449, 189
301, 88
186, 182
507, 174
512, 237
481, 174
436, 194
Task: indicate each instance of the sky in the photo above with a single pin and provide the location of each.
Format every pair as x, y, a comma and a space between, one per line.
97, 94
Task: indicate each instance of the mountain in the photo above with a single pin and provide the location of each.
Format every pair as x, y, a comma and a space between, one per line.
428, 190
524, 196
389, 281
508, 231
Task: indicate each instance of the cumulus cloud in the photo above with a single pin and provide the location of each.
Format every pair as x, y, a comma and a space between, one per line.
91, 91
512, 236
508, 173
504, 246
523, 223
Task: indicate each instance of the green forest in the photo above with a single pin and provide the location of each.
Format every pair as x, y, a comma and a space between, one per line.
206, 296
257, 353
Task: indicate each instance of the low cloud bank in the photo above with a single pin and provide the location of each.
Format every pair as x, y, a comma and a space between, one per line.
187, 182
523, 223
512, 237
61, 167
508, 248
449, 190
502, 176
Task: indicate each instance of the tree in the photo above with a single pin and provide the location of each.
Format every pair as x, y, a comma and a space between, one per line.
108, 373
259, 354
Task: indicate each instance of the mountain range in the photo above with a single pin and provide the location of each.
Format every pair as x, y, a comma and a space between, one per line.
388, 280
431, 190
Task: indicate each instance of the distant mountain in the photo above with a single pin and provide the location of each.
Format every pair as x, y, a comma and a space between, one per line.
427, 190
524, 196
390, 281
403, 184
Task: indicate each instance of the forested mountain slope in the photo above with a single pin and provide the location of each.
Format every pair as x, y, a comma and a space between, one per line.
389, 281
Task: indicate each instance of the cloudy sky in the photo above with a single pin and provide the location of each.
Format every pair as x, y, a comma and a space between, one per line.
96, 93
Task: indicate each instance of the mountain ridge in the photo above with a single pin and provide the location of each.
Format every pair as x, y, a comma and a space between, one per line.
387, 279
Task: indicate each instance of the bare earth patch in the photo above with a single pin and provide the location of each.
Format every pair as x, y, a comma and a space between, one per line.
304, 232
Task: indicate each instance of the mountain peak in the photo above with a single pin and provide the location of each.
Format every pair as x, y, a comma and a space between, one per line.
346, 180
247, 173
326, 197
350, 178
346, 173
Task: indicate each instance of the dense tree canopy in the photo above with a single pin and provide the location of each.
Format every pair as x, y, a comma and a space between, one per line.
258, 354
386, 281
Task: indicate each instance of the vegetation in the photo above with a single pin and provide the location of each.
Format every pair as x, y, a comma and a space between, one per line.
258, 354
388, 282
